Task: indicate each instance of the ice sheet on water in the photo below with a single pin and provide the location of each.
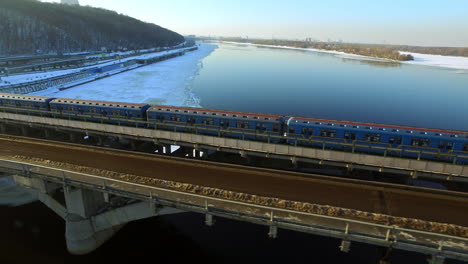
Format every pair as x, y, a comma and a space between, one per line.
168, 82
452, 62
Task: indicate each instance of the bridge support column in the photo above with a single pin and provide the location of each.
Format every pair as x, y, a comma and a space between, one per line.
24, 131
92, 217
435, 259
91, 221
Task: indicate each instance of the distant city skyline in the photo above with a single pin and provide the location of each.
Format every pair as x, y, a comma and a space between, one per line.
424, 23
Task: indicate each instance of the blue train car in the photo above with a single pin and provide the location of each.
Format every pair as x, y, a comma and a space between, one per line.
214, 122
101, 111
31, 104
421, 143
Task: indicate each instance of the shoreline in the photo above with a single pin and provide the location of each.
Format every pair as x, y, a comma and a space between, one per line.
431, 60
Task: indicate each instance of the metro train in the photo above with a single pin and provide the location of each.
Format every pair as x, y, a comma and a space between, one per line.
390, 140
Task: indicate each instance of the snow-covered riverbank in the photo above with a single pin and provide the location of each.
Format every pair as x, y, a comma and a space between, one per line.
168, 82
438, 60
419, 59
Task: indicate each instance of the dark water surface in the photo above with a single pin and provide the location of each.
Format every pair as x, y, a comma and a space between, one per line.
34, 234
321, 85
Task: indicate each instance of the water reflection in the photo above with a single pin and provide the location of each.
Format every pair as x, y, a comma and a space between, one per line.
331, 86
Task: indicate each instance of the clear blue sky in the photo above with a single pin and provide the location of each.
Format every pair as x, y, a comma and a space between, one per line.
416, 22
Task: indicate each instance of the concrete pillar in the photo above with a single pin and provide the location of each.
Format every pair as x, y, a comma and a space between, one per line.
2, 129
83, 203
72, 137
24, 131
46, 133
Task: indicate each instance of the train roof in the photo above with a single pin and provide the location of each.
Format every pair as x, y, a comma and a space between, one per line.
371, 125
97, 103
202, 111
24, 97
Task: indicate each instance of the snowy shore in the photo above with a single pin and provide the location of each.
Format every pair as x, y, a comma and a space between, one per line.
419, 59
438, 60
167, 82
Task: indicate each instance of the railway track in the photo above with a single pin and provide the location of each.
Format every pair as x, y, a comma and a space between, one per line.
382, 198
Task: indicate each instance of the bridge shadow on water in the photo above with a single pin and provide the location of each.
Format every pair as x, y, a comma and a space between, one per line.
34, 234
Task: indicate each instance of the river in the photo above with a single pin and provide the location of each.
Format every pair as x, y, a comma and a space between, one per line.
332, 86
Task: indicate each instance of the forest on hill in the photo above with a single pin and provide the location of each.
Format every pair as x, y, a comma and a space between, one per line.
29, 27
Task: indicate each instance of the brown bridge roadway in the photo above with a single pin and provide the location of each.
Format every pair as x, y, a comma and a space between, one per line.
396, 200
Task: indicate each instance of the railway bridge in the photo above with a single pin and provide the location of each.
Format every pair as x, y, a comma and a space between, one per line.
97, 189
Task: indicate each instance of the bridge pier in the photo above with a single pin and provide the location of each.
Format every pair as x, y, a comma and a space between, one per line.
92, 216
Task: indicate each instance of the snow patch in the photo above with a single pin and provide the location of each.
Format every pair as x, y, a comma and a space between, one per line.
168, 82
452, 62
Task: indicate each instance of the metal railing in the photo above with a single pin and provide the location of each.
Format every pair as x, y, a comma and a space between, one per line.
337, 227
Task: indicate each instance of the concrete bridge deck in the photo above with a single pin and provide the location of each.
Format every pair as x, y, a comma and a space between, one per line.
382, 214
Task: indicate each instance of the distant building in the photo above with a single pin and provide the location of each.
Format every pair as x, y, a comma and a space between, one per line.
70, 2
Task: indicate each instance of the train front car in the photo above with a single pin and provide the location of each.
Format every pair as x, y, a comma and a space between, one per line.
26, 104
127, 114
215, 122
421, 143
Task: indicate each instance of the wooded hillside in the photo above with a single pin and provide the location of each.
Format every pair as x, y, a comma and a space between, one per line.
29, 26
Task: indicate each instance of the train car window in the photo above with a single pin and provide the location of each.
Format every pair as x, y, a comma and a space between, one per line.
446, 145
175, 118
213, 114
372, 137
260, 127
186, 111
224, 114
256, 117
208, 121
395, 140
266, 118
160, 117
420, 142
191, 120
307, 131
349, 135
242, 124
465, 147
327, 133
224, 124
